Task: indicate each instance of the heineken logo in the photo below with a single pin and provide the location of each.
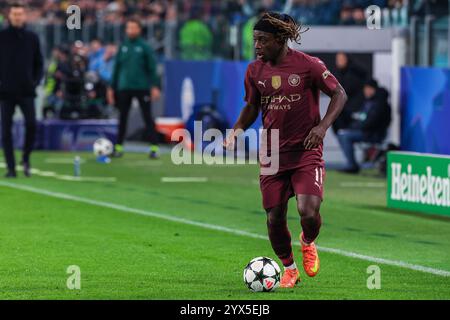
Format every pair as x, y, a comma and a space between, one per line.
424, 187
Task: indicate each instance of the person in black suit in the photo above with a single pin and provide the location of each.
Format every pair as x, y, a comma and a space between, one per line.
21, 70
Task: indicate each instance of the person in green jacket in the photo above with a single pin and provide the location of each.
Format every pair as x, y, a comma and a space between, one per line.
134, 76
248, 46
196, 40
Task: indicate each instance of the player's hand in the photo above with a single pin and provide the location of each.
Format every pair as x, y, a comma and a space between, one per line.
110, 96
229, 142
155, 93
315, 137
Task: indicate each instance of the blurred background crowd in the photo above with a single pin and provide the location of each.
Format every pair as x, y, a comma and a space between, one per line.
80, 62
318, 12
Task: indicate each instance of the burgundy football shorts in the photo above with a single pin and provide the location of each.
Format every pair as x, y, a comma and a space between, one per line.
306, 178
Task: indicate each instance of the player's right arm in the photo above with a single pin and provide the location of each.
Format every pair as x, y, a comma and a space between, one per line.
249, 113
324, 80
247, 117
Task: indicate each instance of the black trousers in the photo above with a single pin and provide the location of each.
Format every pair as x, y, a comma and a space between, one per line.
124, 99
8, 107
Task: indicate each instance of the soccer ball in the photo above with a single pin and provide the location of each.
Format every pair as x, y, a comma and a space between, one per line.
262, 274
103, 147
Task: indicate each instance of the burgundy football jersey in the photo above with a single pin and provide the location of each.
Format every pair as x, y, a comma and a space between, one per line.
288, 96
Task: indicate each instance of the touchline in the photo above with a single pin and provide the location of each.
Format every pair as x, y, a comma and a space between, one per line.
419, 188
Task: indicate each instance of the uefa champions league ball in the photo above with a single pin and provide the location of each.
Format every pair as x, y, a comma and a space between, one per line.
262, 274
103, 147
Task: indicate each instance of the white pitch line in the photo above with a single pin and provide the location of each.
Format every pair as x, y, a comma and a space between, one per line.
51, 174
86, 179
184, 179
62, 161
396, 263
42, 173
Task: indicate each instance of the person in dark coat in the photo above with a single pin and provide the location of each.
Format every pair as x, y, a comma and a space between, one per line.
21, 70
370, 124
352, 78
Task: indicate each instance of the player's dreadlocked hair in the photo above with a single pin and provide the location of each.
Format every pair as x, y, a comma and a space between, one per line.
282, 25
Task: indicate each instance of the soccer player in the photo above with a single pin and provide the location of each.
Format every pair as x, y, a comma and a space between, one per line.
284, 84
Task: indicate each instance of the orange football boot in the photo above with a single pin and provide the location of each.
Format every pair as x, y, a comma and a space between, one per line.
290, 278
311, 262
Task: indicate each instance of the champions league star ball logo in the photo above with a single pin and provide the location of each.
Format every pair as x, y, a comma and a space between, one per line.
294, 80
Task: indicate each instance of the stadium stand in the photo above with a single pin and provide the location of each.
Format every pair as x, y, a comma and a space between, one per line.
313, 11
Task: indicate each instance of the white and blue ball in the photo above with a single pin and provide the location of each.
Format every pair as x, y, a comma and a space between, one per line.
103, 147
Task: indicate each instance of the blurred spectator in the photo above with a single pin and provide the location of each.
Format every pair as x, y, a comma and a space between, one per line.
358, 16
352, 77
196, 39
72, 91
96, 52
346, 15
302, 10
57, 69
72, 84
106, 64
368, 125
248, 47
171, 11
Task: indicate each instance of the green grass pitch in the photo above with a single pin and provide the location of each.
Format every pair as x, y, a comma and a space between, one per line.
136, 237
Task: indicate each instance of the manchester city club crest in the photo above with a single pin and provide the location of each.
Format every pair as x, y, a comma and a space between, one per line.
276, 82
294, 80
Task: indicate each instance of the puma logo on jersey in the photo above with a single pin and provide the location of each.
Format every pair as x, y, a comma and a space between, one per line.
263, 83
325, 74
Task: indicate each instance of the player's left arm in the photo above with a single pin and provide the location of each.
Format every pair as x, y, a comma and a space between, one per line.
328, 84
